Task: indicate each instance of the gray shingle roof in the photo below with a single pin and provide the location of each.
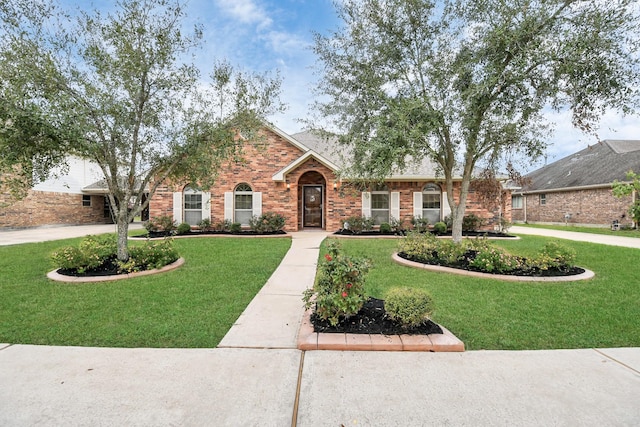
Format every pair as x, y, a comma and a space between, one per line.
331, 150
599, 164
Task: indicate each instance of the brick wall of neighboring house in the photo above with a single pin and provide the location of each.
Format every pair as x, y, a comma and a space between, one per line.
258, 170
48, 208
592, 207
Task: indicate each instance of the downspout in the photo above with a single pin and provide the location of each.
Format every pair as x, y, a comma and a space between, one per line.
524, 205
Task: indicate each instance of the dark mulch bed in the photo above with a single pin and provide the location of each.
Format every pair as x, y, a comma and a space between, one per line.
108, 268
488, 234
372, 319
156, 234
464, 265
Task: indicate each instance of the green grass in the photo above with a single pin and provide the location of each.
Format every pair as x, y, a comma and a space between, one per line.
191, 307
594, 230
493, 314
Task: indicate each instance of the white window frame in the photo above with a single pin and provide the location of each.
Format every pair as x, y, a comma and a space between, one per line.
243, 189
379, 214
431, 189
517, 201
192, 215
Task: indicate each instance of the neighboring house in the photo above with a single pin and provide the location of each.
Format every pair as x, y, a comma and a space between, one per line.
66, 199
296, 176
577, 189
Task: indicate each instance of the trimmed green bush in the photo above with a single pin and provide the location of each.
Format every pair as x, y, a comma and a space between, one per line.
92, 252
385, 228
183, 228
440, 227
235, 227
410, 307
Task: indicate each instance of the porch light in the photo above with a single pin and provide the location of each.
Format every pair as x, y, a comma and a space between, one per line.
335, 186
288, 186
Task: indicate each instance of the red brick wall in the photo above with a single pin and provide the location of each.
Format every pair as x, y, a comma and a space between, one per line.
595, 206
262, 164
46, 208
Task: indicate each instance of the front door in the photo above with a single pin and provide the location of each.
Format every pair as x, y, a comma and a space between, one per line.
312, 209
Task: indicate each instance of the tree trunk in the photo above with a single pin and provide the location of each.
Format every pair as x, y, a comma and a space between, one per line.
122, 219
456, 228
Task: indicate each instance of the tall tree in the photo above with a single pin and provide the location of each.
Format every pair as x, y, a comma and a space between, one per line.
120, 89
467, 83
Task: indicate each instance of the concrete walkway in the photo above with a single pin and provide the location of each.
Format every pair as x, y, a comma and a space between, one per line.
604, 239
256, 377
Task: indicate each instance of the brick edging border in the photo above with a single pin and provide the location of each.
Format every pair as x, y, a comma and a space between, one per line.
588, 274
54, 275
310, 340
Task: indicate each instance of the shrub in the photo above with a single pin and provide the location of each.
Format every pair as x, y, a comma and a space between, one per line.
385, 228
554, 255
471, 222
410, 307
183, 228
397, 226
440, 227
95, 251
419, 246
420, 224
205, 224
339, 288
223, 225
357, 224
235, 227
494, 260
69, 258
449, 252
163, 223
268, 222
149, 256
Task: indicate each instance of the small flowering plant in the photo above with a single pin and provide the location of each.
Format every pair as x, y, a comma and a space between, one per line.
339, 288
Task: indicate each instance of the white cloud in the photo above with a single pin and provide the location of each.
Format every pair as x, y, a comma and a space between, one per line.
246, 11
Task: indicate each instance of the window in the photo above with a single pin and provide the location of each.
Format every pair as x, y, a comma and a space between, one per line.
380, 205
192, 206
86, 200
543, 199
431, 203
243, 204
516, 202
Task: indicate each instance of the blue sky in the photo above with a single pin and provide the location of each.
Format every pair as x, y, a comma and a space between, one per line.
269, 35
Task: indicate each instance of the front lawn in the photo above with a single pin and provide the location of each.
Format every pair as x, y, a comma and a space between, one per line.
492, 314
192, 307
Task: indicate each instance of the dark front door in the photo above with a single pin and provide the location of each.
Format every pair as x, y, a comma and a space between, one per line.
312, 206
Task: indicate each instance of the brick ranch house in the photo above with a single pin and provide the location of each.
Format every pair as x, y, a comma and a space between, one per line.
296, 176
72, 198
577, 189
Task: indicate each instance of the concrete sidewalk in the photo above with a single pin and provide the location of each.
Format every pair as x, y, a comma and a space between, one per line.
256, 377
45, 234
604, 239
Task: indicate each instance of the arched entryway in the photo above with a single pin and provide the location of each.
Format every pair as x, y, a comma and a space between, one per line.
312, 200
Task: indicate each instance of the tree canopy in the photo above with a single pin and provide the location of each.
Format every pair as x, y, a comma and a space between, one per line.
120, 89
466, 84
